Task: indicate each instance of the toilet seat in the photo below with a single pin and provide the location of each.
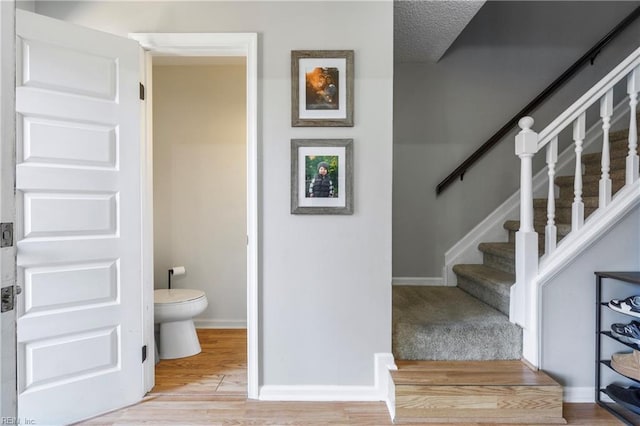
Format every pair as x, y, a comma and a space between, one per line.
176, 295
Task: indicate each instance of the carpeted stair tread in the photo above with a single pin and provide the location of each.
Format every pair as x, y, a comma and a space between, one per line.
498, 281
499, 255
446, 323
590, 179
591, 202
593, 165
506, 250
514, 226
590, 184
620, 135
489, 285
596, 157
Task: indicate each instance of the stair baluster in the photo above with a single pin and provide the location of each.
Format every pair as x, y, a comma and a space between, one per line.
633, 86
551, 231
606, 111
577, 208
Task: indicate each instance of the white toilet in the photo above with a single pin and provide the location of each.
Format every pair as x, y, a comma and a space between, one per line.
174, 310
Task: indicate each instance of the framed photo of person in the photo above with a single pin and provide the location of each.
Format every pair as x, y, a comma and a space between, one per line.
322, 176
322, 88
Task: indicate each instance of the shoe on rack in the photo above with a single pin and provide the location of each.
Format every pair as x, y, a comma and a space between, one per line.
630, 305
627, 397
627, 364
628, 333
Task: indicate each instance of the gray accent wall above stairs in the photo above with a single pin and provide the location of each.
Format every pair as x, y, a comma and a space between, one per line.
444, 111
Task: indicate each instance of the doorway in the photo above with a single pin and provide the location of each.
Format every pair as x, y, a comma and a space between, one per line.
210, 45
199, 207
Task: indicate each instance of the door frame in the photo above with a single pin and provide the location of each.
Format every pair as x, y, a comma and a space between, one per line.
206, 44
8, 387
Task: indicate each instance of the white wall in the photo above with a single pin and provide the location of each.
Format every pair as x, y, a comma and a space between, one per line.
569, 300
321, 320
444, 111
199, 193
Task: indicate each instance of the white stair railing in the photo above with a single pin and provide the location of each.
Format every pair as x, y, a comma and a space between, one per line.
525, 308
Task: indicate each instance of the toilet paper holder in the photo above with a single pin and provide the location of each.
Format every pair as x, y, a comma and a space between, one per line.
176, 270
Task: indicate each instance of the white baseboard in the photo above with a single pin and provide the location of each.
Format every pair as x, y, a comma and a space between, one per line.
219, 323
418, 281
318, 393
575, 394
380, 391
384, 364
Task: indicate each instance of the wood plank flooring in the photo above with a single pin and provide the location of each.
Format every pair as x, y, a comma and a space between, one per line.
462, 391
210, 389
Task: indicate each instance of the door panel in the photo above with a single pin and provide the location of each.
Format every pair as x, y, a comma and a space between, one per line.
68, 143
47, 66
79, 326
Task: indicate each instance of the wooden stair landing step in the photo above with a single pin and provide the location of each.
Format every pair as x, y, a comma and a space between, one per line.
475, 392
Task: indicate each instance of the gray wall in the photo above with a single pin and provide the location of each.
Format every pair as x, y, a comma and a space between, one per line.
569, 298
199, 185
442, 112
321, 318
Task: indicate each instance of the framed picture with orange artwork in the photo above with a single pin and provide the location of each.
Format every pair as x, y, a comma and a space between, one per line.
322, 88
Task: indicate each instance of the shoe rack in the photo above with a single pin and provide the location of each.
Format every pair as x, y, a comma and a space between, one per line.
609, 285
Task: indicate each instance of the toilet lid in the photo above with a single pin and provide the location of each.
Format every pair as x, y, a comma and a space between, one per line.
175, 295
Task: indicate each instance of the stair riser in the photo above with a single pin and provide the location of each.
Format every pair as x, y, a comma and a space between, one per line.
589, 190
563, 214
622, 136
501, 263
540, 226
495, 404
481, 292
541, 236
593, 167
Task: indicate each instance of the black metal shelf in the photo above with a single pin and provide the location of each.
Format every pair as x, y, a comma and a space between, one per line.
621, 412
625, 415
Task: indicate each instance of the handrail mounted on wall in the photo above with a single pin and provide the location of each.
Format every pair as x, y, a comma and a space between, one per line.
570, 72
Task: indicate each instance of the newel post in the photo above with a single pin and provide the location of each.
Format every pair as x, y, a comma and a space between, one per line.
524, 306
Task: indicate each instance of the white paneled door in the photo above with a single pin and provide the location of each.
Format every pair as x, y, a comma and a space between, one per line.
79, 317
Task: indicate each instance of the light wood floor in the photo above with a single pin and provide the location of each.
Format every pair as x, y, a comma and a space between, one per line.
210, 389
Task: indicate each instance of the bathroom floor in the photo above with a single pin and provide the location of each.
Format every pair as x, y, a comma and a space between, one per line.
220, 369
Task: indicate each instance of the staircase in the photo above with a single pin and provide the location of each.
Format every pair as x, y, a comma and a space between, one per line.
429, 322
433, 327
469, 323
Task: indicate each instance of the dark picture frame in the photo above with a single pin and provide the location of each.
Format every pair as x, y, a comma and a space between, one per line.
317, 191
322, 88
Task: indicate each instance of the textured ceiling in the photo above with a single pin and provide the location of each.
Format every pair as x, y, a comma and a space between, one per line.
424, 29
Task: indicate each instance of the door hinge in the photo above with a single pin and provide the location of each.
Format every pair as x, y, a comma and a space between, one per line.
6, 234
144, 353
141, 92
8, 300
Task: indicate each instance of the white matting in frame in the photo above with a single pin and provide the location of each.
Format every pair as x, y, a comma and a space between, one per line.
313, 159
